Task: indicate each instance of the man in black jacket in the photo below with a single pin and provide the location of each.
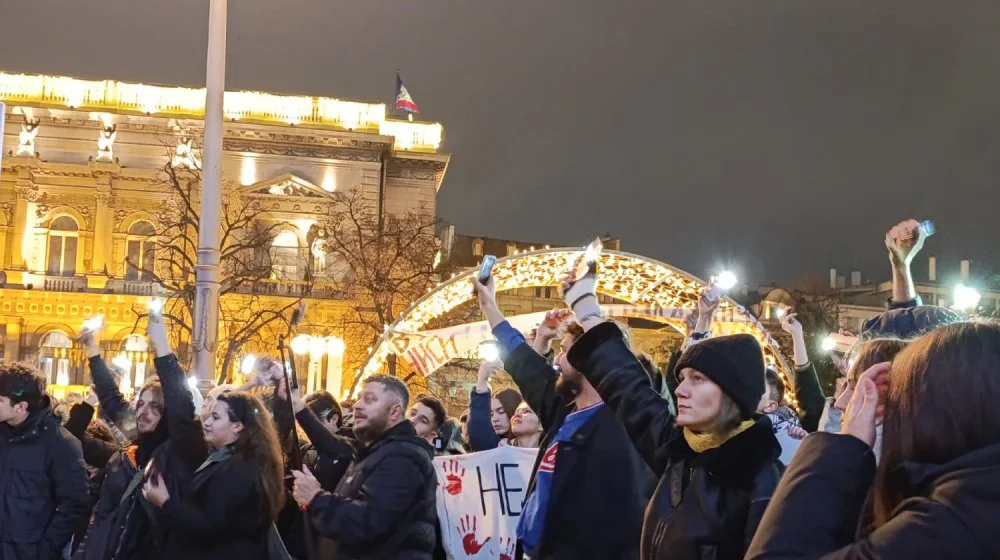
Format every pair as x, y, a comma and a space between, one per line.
384, 507
43, 481
589, 487
167, 433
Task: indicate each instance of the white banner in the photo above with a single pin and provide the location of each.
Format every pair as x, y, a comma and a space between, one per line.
426, 351
479, 500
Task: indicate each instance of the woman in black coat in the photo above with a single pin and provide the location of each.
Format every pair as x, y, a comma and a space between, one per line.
934, 491
228, 508
717, 459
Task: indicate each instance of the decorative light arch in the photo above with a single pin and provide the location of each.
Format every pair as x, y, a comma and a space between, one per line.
635, 279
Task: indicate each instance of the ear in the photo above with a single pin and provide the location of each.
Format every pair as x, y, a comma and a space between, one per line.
21, 407
335, 419
237, 428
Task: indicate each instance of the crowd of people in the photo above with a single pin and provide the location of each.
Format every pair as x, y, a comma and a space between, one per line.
706, 459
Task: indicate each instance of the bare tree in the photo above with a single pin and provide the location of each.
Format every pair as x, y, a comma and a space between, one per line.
249, 308
389, 261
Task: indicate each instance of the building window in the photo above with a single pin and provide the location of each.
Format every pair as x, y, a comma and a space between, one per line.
477, 248
140, 252
285, 256
511, 249
53, 353
63, 238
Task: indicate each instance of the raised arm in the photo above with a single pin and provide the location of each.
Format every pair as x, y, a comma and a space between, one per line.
326, 442
180, 415
604, 358
533, 375
808, 392
114, 407
482, 437
904, 241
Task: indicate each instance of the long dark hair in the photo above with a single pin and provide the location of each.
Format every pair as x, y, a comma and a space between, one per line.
941, 404
258, 444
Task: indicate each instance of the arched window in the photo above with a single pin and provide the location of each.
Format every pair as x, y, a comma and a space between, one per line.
53, 353
477, 248
140, 252
63, 238
285, 256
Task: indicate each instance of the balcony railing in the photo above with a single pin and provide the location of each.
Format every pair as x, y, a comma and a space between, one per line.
65, 283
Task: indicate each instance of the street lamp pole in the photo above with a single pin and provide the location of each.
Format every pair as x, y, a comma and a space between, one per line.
206, 302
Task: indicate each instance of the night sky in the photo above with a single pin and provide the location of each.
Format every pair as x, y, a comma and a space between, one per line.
782, 137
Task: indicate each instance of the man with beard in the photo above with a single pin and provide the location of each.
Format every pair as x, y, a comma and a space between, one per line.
167, 434
589, 487
384, 507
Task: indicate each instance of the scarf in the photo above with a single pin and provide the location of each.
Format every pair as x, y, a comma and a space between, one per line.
699, 443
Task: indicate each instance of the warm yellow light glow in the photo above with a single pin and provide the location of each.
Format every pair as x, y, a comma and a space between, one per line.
329, 180
637, 280
317, 347
249, 362
335, 346
123, 97
248, 171
300, 344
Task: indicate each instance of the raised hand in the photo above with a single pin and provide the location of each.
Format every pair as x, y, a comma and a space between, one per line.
904, 241
467, 528
791, 325
91, 397
453, 476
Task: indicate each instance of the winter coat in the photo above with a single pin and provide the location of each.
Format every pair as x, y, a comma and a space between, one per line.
482, 437
125, 525
220, 514
600, 485
707, 505
43, 488
949, 510
384, 507
96, 454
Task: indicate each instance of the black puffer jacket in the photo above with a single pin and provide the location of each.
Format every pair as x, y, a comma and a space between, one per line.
707, 505
384, 507
125, 525
948, 511
43, 488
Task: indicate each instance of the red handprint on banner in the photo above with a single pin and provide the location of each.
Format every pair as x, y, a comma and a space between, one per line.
507, 548
453, 473
467, 528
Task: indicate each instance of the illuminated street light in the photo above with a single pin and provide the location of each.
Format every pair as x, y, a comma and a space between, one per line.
335, 346
726, 280
966, 298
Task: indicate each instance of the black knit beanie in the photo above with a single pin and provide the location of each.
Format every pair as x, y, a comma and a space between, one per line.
735, 363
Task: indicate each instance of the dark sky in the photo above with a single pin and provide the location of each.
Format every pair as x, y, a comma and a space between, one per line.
783, 137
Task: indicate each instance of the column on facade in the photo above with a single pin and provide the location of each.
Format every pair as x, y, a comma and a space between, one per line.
103, 228
334, 370
23, 227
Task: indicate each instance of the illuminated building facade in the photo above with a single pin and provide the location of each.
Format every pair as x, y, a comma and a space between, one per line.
80, 200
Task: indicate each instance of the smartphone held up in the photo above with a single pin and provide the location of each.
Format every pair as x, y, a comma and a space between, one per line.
486, 269
591, 254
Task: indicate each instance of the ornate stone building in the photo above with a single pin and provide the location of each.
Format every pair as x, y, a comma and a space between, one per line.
81, 198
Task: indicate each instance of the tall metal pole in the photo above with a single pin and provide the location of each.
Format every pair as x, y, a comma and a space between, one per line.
206, 303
